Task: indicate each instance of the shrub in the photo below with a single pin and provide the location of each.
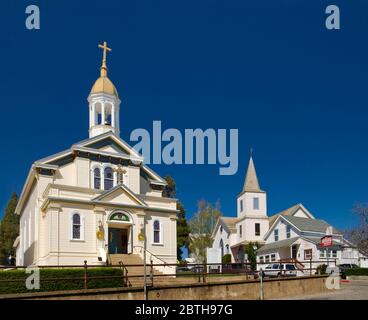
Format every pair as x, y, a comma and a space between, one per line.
226, 258
321, 269
356, 272
61, 279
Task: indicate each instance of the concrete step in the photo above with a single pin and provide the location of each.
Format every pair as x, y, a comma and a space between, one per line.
133, 263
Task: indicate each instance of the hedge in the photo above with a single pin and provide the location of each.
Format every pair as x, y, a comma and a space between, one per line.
76, 281
356, 272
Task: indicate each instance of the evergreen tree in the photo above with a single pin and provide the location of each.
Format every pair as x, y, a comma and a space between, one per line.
251, 251
9, 230
182, 228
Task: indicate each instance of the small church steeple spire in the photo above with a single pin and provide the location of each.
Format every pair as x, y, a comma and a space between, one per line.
251, 181
252, 201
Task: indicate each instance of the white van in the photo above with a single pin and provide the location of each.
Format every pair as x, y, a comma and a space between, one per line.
280, 270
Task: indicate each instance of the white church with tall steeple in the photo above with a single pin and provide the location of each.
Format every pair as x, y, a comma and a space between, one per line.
96, 201
251, 223
293, 234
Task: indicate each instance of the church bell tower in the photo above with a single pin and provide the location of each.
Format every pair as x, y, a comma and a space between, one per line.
104, 102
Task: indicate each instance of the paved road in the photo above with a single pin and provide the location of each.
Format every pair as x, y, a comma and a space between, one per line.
352, 290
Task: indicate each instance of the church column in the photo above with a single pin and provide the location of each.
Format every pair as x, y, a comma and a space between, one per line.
103, 116
93, 115
54, 227
113, 115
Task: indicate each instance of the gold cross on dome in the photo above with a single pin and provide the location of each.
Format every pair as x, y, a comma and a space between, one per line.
105, 49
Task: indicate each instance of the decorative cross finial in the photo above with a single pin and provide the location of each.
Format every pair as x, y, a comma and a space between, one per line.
104, 66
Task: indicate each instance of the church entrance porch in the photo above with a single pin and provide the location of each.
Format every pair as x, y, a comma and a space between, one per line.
120, 233
118, 241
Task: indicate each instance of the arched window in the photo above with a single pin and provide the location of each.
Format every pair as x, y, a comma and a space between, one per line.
227, 249
156, 232
76, 227
222, 247
108, 178
108, 114
98, 113
119, 216
97, 178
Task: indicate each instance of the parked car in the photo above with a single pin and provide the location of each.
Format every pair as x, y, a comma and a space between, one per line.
182, 269
196, 269
280, 270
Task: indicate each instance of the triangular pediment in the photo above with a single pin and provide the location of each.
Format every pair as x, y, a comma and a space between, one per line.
108, 145
120, 194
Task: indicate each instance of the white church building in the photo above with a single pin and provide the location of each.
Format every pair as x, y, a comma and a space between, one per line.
96, 198
291, 235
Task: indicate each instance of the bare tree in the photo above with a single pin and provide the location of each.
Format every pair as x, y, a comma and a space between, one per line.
359, 235
201, 226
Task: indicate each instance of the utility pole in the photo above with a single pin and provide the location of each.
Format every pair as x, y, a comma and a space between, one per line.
144, 259
261, 278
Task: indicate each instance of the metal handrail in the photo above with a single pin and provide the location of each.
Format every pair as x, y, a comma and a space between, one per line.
125, 274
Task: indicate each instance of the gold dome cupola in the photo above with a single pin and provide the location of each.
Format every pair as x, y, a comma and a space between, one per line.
104, 102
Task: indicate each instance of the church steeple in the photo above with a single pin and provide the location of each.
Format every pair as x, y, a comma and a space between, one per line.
251, 181
104, 102
252, 201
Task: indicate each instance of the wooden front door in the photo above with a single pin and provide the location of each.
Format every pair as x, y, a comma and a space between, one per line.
118, 241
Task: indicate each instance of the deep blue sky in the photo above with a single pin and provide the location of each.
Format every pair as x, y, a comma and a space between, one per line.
296, 91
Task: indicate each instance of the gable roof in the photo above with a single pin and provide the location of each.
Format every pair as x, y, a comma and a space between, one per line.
229, 222
289, 212
309, 225
108, 138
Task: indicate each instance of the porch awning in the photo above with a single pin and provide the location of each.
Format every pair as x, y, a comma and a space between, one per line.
277, 245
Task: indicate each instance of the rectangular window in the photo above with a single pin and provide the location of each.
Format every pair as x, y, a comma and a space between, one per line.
273, 257
256, 203
276, 234
328, 253
334, 254
261, 259
308, 254
322, 254
241, 205
267, 259
257, 230
240, 231
288, 231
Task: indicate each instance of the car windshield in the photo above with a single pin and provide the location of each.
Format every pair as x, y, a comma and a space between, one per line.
269, 266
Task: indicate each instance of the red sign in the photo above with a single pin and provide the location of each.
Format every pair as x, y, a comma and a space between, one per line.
326, 241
